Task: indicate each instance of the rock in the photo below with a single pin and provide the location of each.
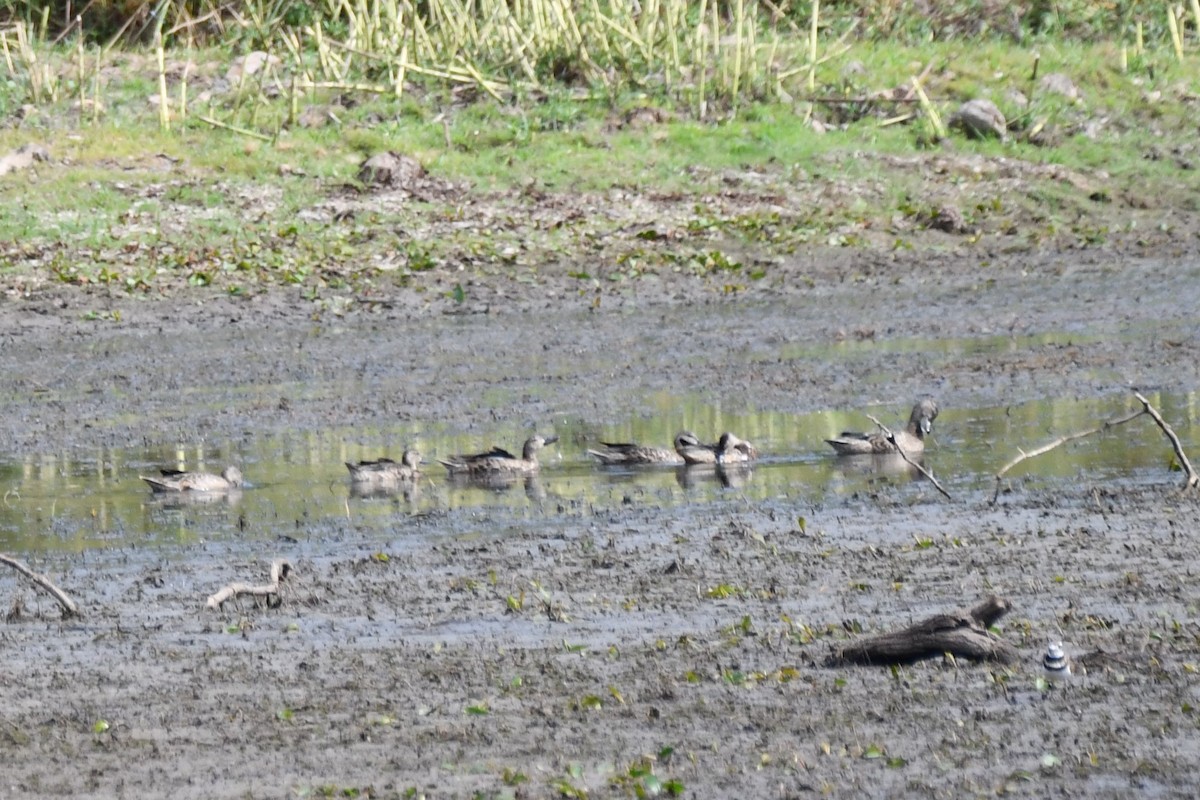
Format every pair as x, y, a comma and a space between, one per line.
980, 118
853, 69
391, 169
314, 117
250, 64
1058, 83
1017, 99
947, 218
23, 158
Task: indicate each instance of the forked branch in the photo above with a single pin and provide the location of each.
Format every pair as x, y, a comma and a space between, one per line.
1190, 477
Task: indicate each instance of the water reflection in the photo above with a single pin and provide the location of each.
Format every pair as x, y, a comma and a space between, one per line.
883, 465
728, 476
77, 501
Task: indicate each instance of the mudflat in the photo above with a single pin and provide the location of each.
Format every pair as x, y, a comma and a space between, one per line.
576, 650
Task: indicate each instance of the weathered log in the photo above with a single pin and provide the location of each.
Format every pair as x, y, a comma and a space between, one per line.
962, 634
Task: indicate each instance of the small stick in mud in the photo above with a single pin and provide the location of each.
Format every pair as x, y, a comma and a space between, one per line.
1191, 479
961, 633
69, 608
280, 569
891, 437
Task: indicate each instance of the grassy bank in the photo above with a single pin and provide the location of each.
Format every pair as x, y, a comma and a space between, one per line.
197, 169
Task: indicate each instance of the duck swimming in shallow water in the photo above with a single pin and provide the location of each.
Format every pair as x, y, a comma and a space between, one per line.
499, 461
729, 449
636, 454
733, 450
911, 439
173, 480
385, 471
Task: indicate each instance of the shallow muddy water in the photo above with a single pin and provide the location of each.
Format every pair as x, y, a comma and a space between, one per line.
89, 501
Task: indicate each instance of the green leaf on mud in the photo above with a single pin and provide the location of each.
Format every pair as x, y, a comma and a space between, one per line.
513, 777
873, 751
285, 714
1050, 761
802, 524
574, 648
674, 787
458, 294
591, 702
734, 677
100, 726
480, 710
691, 676
895, 762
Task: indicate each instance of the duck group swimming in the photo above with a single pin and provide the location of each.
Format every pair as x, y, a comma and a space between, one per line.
500, 467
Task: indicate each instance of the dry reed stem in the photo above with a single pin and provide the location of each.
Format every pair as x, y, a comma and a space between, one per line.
1173, 27
233, 128
935, 120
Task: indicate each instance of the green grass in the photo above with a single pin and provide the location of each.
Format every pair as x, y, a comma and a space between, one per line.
125, 203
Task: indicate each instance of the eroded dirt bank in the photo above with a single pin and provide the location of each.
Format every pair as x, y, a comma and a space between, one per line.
549, 653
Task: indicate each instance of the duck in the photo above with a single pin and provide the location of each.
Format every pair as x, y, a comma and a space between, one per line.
728, 449
693, 451
734, 450
911, 439
629, 454
385, 471
499, 461
174, 480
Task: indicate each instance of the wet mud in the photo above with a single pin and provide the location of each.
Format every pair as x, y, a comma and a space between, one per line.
559, 647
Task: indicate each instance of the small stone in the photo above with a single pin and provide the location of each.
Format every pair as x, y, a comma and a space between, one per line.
314, 117
250, 64
1058, 83
980, 118
390, 169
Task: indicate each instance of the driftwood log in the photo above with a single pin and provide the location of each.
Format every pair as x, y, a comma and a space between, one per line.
69, 609
280, 569
963, 634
